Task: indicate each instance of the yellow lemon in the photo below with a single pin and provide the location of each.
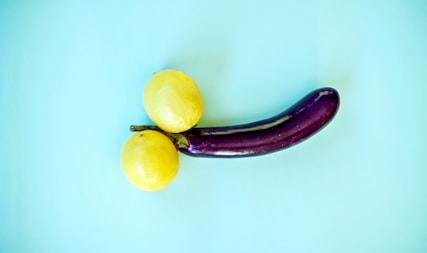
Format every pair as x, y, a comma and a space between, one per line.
173, 101
149, 160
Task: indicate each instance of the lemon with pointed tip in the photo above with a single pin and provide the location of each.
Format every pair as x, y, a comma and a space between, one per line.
149, 160
173, 101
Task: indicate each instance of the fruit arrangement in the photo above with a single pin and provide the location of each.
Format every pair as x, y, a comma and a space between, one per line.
174, 103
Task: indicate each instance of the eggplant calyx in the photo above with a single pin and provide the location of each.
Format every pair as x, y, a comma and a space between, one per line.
178, 139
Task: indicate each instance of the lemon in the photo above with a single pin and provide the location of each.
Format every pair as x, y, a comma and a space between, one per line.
173, 101
149, 160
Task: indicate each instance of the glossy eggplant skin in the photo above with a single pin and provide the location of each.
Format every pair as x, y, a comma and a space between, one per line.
299, 122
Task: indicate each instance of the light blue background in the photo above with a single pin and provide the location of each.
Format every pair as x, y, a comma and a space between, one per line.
71, 79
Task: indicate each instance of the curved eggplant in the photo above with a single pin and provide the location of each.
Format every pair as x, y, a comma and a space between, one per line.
299, 122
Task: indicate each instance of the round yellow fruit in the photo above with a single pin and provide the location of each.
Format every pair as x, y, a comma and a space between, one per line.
173, 101
149, 160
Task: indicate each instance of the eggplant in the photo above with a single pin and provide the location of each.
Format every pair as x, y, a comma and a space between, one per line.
299, 122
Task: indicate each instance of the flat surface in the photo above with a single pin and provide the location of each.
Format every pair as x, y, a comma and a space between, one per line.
71, 81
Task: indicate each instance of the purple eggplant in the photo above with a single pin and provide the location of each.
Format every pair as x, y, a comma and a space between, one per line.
299, 122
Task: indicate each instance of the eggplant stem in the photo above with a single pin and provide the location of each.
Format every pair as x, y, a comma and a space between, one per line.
139, 128
178, 139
